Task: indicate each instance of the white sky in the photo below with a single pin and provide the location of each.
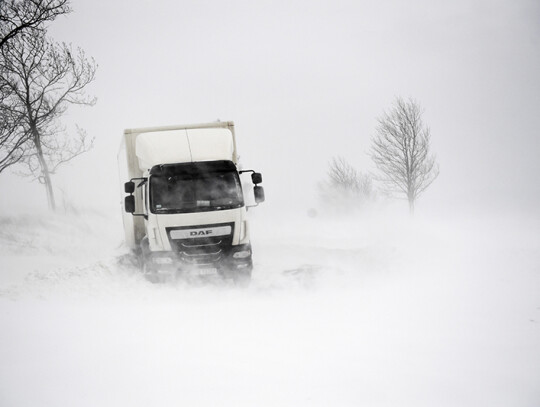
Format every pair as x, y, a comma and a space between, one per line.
305, 80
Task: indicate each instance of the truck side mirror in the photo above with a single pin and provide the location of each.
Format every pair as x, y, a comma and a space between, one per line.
129, 203
256, 178
129, 187
259, 194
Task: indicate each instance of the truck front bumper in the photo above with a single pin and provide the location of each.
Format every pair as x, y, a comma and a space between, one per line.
237, 260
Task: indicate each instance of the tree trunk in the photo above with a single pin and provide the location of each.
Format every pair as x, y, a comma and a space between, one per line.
411, 205
47, 182
410, 195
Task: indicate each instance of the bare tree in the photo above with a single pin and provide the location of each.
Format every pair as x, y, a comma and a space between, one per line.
345, 187
342, 174
401, 151
17, 16
12, 141
43, 79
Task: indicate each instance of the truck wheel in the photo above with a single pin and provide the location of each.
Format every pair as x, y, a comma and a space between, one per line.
242, 278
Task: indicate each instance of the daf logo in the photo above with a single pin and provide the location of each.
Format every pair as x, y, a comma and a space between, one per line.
203, 231
200, 233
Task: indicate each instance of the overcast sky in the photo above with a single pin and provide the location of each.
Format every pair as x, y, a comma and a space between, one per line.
305, 81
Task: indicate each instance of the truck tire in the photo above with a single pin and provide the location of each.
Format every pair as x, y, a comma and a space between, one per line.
241, 278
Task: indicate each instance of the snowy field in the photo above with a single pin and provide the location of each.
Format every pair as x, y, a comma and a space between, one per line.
370, 312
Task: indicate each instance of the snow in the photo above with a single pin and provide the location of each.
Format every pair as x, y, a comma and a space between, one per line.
377, 311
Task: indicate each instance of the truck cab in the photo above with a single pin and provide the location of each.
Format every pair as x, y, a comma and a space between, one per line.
185, 211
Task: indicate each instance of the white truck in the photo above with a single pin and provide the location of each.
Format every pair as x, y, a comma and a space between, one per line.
185, 211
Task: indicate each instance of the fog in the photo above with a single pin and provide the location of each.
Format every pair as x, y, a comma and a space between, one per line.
305, 81
371, 308
378, 312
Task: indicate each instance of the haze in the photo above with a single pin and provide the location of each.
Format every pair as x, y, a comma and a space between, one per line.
373, 308
305, 81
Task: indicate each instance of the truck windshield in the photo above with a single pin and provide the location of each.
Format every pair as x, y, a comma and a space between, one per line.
180, 193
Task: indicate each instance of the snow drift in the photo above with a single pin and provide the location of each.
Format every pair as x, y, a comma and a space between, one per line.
376, 312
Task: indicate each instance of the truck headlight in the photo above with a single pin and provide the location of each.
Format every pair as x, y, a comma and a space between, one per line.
242, 254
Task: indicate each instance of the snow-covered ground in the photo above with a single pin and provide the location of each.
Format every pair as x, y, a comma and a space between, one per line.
364, 312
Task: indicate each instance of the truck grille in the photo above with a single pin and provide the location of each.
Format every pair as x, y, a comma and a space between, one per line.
202, 249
